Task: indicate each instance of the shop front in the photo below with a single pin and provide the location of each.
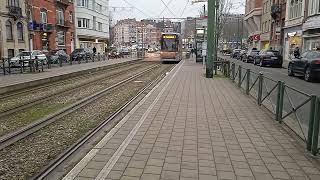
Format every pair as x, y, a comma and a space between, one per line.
311, 34
292, 39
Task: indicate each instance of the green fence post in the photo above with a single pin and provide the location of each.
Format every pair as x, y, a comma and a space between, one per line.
313, 100
278, 100
280, 103
228, 69
315, 136
248, 82
233, 72
260, 89
239, 77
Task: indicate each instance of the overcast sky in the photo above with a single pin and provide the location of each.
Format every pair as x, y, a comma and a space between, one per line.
143, 9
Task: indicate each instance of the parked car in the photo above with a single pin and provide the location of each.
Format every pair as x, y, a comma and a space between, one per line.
268, 57
250, 56
307, 65
26, 56
55, 55
235, 53
81, 53
151, 50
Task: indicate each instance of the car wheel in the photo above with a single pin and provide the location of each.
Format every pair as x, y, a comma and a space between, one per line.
307, 75
290, 70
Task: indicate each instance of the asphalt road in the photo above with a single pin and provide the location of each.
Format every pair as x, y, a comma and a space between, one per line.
280, 74
291, 96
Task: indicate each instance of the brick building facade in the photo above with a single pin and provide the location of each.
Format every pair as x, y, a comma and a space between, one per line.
51, 24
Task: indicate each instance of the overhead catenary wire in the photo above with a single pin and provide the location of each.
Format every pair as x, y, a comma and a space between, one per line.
165, 8
137, 9
168, 8
184, 9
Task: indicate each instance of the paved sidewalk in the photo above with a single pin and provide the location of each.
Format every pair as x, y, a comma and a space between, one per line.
191, 127
14, 79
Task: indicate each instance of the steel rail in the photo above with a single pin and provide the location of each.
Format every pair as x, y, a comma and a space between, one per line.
23, 106
113, 66
34, 127
71, 150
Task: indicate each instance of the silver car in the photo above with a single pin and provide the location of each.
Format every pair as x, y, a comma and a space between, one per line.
25, 56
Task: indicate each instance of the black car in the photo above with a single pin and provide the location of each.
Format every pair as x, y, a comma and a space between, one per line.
307, 65
235, 53
268, 58
250, 56
81, 53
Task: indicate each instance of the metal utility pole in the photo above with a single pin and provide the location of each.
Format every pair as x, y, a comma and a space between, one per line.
211, 37
238, 32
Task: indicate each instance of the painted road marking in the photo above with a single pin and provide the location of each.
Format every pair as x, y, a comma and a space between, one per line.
108, 167
84, 161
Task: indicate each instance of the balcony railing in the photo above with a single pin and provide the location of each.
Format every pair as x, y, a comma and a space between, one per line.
65, 3
64, 23
15, 11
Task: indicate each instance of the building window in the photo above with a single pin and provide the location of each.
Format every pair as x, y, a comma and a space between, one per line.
83, 23
70, 17
14, 3
10, 53
295, 9
314, 7
99, 8
20, 31
43, 16
60, 16
60, 38
83, 3
9, 30
99, 26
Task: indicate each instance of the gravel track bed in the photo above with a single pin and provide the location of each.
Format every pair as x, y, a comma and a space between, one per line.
25, 158
11, 102
13, 122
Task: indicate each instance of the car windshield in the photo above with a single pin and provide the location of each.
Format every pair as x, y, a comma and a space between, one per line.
273, 53
24, 54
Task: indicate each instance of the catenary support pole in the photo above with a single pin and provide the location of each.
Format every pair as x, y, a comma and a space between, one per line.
211, 40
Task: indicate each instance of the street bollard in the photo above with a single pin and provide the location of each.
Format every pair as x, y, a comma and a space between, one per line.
239, 77
248, 81
315, 136
260, 85
313, 100
280, 102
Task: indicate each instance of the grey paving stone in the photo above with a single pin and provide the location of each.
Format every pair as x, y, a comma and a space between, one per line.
134, 172
155, 162
171, 167
89, 173
150, 177
115, 174
152, 169
170, 175
226, 175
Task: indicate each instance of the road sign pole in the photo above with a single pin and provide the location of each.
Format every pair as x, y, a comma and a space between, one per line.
211, 38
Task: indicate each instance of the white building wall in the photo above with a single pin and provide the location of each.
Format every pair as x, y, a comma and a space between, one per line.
92, 33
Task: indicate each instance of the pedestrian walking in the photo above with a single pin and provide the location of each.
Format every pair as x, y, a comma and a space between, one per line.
94, 50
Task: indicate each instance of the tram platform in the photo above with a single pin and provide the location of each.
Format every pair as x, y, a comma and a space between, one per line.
18, 81
189, 127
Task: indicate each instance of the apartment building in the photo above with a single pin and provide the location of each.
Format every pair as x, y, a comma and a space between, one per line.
266, 24
51, 25
293, 27
311, 26
125, 32
13, 28
92, 24
252, 20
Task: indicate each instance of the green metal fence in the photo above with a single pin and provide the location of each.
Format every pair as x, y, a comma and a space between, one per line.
297, 110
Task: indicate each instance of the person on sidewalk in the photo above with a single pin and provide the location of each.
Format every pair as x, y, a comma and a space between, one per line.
296, 52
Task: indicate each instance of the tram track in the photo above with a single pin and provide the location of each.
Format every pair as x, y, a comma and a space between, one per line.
71, 79
75, 147
15, 136
28, 156
27, 104
35, 91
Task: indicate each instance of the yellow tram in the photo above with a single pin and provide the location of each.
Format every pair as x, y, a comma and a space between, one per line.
171, 47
